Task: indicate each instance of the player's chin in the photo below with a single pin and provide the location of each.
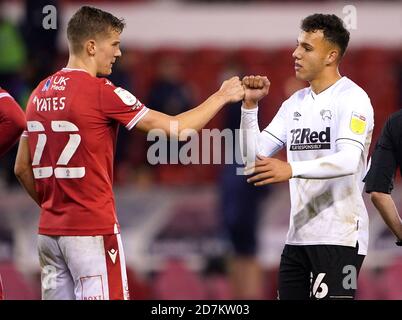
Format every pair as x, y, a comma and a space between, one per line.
300, 76
105, 72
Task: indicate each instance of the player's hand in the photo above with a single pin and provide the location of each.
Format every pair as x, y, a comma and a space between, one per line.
268, 170
256, 88
232, 90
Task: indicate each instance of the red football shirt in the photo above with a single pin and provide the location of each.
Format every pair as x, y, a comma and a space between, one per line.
12, 121
72, 123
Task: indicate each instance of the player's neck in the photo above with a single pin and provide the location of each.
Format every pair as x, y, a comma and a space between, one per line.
324, 81
75, 62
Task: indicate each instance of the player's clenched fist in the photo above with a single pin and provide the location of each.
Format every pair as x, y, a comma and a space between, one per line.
256, 88
232, 90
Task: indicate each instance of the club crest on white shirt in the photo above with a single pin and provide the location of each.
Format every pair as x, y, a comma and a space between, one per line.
326, 114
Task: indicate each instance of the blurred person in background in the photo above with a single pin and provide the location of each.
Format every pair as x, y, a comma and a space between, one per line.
13, 57
327, 130
40, 37
65, 158
12, 124
240, 208
386, 159
170, 93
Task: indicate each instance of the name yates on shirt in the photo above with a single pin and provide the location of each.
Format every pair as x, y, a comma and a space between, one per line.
49, 104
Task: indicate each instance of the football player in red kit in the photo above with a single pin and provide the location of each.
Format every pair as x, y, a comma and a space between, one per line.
12, 124
65, 159
12, 121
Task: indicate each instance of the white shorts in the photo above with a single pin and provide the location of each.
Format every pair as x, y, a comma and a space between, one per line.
83, 268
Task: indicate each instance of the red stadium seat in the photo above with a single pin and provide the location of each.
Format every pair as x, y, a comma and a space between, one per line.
177, 282
391, 282
218, 288
367, 288
16, 287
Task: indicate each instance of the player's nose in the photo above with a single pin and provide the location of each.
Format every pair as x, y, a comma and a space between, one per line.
296, 54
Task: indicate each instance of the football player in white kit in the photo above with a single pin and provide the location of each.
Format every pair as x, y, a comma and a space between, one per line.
327, 130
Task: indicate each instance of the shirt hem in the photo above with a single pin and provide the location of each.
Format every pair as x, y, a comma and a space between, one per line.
75, 232
362, 251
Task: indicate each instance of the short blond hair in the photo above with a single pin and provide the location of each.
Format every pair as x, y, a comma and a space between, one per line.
89, 22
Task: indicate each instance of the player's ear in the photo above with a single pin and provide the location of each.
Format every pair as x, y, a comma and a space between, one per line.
332, 56
90, 47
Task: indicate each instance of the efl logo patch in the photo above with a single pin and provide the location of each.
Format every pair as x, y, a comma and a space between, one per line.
357, 123
128, 98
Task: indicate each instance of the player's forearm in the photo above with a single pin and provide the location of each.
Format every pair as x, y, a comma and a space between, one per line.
388, 211
252, 141
249, 132
344, 162
23, 169
12, 122
7, 141
27, 180
198, 117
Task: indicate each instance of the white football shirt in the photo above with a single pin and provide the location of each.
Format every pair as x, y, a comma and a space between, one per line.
326, 211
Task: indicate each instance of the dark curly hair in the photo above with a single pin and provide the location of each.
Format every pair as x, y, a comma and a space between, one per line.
332, 27
90, 22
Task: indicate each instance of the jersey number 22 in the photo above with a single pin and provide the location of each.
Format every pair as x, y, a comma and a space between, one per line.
65, 156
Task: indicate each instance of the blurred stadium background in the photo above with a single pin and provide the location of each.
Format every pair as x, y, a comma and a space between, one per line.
175, 54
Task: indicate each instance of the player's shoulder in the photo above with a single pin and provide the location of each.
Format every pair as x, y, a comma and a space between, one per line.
393, 125
347, 94
395, 119
119, 94
296, 97
104, 82
349, 89
4, 93
106, 86
5, 96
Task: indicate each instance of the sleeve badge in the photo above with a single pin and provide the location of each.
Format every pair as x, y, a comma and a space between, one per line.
357, 123
128, 98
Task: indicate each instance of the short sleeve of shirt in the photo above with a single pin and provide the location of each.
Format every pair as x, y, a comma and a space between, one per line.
8, 104
12, 121
121, 105
356, 118
384, 161
277, 128
4, 94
